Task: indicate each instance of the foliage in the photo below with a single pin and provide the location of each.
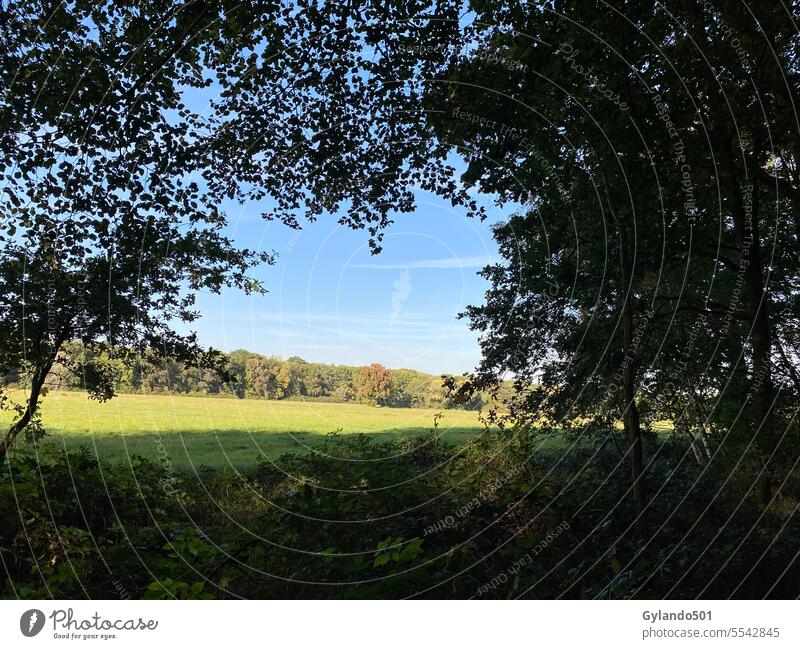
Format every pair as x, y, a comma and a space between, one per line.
374, 384
480, 521
105, 234
651, 270
253, 376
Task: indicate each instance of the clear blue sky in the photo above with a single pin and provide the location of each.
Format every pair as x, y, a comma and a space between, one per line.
331, 301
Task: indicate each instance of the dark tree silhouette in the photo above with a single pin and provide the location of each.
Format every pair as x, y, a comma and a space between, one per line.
105, 237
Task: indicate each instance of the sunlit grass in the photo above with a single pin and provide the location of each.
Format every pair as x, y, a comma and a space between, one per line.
218, 432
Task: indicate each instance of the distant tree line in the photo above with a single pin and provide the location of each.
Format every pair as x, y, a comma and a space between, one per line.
249, 375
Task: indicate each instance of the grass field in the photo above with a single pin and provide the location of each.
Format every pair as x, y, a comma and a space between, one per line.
219, 432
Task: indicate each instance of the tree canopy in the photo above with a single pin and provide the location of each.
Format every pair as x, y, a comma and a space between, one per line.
652, 264
106, 234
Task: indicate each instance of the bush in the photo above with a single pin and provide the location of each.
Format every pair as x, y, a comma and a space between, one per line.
497, 518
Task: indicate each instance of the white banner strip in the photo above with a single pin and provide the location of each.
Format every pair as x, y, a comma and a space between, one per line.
390, 624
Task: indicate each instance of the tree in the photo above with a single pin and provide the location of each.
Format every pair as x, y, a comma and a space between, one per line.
105, 237
237, 369
331, 125
286, 380
646, 159
261, 377
374, 384
318, 386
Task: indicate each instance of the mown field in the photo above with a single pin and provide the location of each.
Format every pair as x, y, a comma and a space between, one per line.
195, 432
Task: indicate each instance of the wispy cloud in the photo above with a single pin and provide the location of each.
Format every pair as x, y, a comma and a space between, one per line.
445, 263
402, 289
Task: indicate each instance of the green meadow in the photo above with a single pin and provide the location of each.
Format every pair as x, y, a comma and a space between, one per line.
196, 432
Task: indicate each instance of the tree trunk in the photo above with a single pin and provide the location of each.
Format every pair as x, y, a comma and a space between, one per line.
701, 428
695, 445
760, 336
633, 432
702, 416
19, 425
37, 382
631, 421
746, 223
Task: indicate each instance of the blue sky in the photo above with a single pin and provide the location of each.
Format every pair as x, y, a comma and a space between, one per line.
331, 301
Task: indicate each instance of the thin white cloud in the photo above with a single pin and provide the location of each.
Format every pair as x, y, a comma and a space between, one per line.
338, 321
445, 263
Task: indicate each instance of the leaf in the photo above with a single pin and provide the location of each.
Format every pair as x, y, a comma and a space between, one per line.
411, 551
